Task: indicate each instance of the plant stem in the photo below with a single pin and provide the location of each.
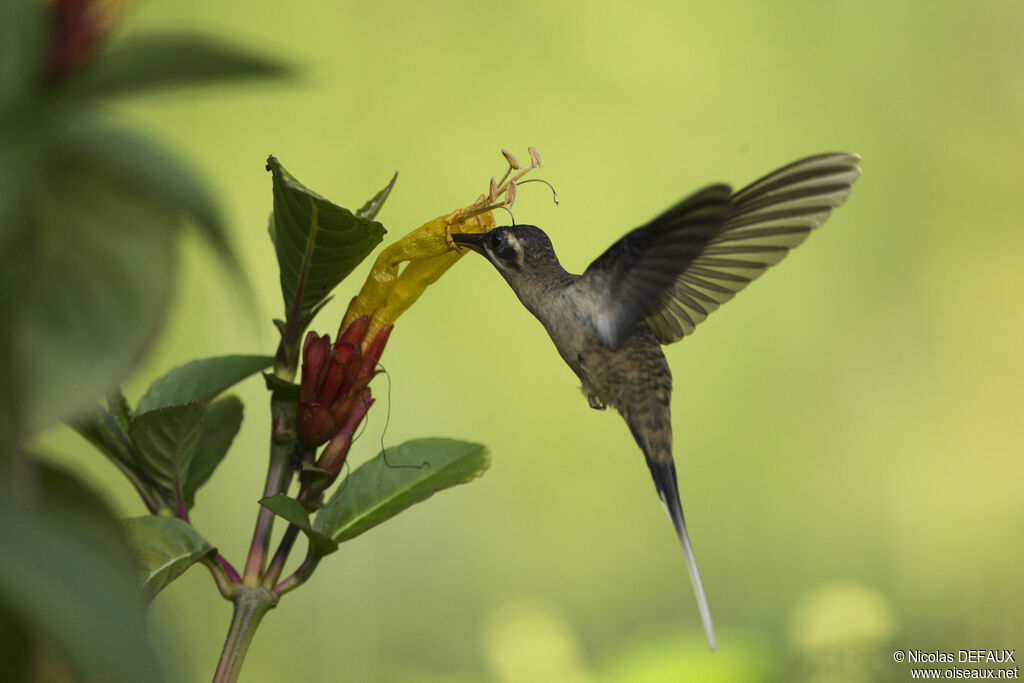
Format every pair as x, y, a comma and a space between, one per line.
281, 556
251, 603
300, 575
224, 575
282, 444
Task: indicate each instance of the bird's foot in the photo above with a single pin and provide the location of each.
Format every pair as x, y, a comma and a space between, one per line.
595, 403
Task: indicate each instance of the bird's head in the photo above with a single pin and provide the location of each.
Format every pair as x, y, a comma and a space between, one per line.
517, 251
525, 258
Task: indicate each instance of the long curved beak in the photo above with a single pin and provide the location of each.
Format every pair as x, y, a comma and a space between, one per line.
473, 240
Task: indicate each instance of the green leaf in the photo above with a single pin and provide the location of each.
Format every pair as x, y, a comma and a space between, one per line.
86, 511
143, 167
16, 648
292, 511
220, 425
200, 380
158, 61
22, 40
108, 432
282, 388
314, 477
370, 209
166, 440
75, 593
318, 244
85, 278
25, 143
118, 408
89, 223
100, 428
166, 547
379, 490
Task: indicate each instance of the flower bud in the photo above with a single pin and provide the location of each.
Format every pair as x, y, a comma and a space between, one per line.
334, 380
336, 452
314, 358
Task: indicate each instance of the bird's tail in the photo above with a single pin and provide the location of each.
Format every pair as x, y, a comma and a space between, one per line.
664, 475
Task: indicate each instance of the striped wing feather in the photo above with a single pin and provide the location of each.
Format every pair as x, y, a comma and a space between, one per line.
766, 219
683, 265
631, 277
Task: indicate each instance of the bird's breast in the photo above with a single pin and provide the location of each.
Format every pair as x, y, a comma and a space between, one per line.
608, 375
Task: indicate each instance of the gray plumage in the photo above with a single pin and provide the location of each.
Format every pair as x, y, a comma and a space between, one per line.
654, 286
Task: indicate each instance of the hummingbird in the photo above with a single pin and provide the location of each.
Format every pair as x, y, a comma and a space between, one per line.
653, 287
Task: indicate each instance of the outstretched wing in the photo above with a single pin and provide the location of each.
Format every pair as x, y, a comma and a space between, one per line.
766, 219
631, 277
713, 261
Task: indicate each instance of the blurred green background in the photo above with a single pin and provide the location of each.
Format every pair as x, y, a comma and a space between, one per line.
848, 430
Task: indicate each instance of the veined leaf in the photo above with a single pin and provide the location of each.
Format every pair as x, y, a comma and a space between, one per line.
200, 380
99, 427
119, 409
166, 547
166, 440
318, 244
291, 510
220, 425
370, 209
378, 490
103, 430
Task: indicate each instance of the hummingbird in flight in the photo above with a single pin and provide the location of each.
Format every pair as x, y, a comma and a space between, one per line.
654, 286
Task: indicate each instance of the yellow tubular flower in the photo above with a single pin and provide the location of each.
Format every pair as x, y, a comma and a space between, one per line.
386, 294
430, 252
419, 274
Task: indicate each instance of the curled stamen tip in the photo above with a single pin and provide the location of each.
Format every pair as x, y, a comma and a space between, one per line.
510, 194
493, 193
510, 158
534, 156
554, 194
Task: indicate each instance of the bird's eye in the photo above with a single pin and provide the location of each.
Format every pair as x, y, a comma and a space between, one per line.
497, 241
503, 247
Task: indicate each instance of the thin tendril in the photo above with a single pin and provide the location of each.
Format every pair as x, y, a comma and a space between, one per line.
387, 422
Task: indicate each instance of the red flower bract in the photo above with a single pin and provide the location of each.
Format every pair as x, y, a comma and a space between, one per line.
333, 394
78, 29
